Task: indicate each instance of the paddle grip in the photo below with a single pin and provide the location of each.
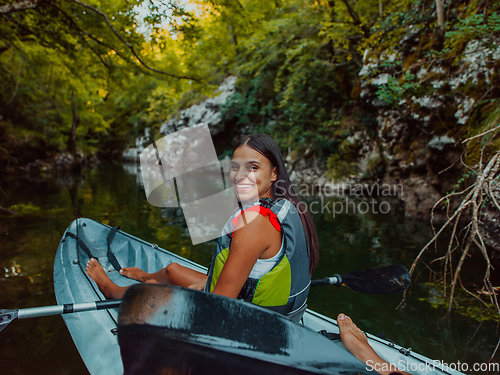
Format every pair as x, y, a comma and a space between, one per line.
108, 304
334, 280
35, 312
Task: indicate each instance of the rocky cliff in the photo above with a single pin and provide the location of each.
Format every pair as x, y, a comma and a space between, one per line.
432, 106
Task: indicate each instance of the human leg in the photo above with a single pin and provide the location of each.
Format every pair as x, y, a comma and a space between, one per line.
173, 274
135, 273
357, 343
107, 287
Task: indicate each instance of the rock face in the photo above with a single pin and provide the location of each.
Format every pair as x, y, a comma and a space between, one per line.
471, 78
415, 142
208, 111
424, 164
141, 142
428, 107
417, 134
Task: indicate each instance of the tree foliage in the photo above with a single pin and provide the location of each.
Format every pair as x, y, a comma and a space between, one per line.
298, 71
76, 72
297, 62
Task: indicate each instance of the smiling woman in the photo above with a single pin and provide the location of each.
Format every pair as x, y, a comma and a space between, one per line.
272, 269
252, 175
268, 256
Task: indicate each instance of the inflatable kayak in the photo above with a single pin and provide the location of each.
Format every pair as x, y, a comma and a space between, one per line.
163, 329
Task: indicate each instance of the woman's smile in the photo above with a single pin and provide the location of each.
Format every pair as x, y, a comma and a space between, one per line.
242, 187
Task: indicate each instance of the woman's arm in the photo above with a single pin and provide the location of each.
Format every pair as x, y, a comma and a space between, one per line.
250, 242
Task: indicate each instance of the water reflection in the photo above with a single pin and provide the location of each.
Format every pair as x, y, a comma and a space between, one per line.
112, 194
357, 241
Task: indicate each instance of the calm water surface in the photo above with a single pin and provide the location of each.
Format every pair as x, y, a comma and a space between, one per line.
112, 194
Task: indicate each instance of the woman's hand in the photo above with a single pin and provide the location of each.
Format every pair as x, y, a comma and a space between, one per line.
200, 285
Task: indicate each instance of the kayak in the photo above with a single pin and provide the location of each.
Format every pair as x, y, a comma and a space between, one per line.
188, 331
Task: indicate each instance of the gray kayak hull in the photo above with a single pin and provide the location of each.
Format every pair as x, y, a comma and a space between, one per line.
95, 333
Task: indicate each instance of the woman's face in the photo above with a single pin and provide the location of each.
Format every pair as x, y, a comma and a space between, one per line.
251, 174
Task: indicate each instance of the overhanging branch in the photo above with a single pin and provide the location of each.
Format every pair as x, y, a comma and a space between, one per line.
32, 4
129, 46
357, 20
82, 34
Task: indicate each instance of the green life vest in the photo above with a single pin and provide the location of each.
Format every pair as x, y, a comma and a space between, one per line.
285, 287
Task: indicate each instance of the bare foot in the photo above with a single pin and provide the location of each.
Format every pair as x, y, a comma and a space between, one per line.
353, 338
135, 273
357, 343
107, 287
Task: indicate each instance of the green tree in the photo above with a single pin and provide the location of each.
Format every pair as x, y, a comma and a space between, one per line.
76, 75
298, 70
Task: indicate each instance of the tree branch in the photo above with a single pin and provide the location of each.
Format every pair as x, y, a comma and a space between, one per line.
129, 46
356, 18
82, 34
474, 199
480, 135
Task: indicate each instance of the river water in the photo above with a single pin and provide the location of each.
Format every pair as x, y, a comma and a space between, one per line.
112, 193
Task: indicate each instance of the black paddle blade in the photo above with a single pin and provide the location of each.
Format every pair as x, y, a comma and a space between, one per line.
383, 280
7, 316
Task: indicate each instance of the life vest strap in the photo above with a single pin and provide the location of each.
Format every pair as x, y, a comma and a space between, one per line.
264, 211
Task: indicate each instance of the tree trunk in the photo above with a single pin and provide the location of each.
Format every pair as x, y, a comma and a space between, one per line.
355, 17
72, 134
441, 29
440, 14
331, 6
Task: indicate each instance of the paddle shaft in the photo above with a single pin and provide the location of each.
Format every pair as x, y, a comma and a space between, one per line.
334, 280
382, 280
68, 308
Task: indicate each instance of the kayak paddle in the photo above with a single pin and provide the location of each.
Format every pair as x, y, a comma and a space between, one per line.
381, 280
7, 316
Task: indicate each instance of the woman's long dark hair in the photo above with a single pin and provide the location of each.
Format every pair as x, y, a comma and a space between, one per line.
282, 187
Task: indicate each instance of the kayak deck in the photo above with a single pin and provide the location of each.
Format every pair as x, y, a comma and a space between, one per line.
95, 333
